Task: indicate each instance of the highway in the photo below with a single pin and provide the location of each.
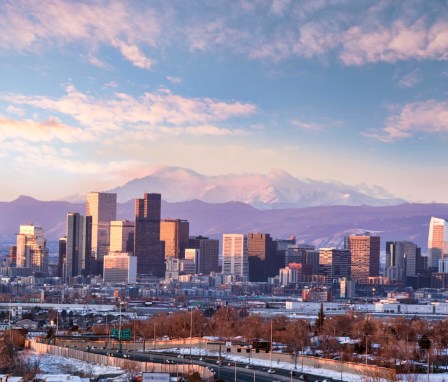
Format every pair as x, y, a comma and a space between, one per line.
226, 372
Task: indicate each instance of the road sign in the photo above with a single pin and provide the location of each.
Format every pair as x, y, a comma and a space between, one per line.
126, 334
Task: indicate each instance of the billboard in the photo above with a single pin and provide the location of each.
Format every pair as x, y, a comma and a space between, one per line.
155, 377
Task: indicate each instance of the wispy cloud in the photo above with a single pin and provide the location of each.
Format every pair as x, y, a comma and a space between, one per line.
133, 53
174, 80
306, 125
123, 112
410, 80
276, 30
40, 131
428, 117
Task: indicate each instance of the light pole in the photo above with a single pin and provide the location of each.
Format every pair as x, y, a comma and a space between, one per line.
270, 355
191, 331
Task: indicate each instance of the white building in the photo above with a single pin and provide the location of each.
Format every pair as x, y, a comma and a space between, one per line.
31, 248
120, 267
234, 255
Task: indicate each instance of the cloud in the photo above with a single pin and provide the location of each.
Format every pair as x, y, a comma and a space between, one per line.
134, 55
26, 26
45, 131
276, 29
305, 125
174, 80
428, 117
123, 112
410, 80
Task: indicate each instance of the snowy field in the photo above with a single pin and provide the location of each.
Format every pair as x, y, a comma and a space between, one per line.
51, 364
306, 369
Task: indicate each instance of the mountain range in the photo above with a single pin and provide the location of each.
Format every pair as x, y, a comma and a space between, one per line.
277, 189
322, 225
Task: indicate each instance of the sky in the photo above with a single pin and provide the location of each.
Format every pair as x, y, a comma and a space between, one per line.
96, 93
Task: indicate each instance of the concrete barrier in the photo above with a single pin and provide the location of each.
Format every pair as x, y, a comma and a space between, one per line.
122, 363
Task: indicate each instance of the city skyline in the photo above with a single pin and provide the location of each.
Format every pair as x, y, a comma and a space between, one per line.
95, 94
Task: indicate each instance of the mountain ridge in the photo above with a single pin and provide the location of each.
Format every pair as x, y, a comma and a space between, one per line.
276, 189
321, 226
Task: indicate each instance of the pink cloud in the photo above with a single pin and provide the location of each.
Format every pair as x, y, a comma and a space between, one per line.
428, 117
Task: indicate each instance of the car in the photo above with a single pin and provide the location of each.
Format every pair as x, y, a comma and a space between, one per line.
248, 366
126, 355
130, 350
271, 371
168, 361
303, 377
110, 354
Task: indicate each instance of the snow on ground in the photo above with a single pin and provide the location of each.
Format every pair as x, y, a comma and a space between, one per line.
347, 377
52, 364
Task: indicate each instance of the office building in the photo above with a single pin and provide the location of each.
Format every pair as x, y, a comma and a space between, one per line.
334, 264
365, 257
261, 251
148, 247
120, 267
62, 256
121, 236
402, 260
31, 249
175, 234
208, 253
234, 255
13, 255
437, 241
193, 255
102, 207
78, 246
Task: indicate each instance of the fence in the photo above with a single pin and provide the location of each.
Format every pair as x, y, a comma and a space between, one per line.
122, 363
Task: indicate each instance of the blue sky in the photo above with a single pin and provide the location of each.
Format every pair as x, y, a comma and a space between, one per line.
96, 93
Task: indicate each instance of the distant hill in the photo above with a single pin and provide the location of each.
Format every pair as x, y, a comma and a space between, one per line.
277, 189
322, 226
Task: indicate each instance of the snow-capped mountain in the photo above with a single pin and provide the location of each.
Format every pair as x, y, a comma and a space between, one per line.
277, 189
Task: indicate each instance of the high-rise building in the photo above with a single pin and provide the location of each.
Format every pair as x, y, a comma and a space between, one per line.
120, 267
437, 241
234, 255
62, 256
365, 257
31, 249
13, 255
78, 246
402, 260
334, 264
121, 236
175, 233
208, 253
148, 247
261, 251
102, 207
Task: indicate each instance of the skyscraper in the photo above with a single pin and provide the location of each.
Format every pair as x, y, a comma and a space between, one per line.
365, 257
208, 253
261, 251
175, 233
62, 256
102, 207
121, 236
402, 260
31, 249
234, 255
437, 241
148, 247
334, 263
78, 245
